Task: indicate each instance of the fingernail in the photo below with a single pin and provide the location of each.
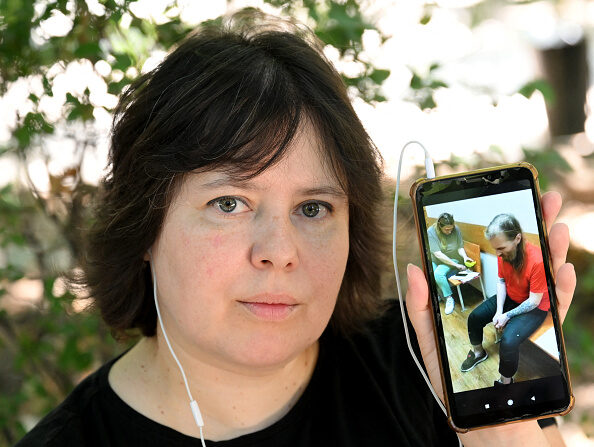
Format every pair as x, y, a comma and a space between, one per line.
408, 267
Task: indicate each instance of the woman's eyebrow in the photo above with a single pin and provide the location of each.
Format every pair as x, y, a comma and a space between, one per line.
248, 185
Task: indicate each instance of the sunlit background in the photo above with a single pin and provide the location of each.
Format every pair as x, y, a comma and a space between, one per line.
481, 110
465, 79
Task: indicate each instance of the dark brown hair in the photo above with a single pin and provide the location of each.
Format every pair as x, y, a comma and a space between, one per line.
231, 96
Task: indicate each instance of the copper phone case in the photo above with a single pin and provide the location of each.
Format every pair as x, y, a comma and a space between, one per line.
412, 194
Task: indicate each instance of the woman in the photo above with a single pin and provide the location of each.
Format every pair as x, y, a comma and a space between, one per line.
447, 254
243, 197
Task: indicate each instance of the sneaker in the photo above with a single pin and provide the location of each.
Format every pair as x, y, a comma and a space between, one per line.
498, 383
449, 306
471, 361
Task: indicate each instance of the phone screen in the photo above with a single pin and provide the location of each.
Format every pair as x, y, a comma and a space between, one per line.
492, 292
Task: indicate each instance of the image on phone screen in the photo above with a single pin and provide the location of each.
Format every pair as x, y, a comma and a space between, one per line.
492, 292
492, 239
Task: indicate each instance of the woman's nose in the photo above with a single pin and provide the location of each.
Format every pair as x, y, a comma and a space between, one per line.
275, 244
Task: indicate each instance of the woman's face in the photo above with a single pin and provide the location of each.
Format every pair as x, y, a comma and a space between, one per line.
248, 274
447, 229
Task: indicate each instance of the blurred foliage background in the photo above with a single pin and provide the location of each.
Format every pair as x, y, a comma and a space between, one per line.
49, 340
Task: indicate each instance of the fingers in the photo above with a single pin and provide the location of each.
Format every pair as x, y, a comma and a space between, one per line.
559, 244
565, 286
551, 204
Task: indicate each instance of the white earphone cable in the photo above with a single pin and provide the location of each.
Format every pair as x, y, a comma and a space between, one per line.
193, 404
430, 170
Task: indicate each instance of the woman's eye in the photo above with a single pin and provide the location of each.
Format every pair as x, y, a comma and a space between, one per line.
311, 209
226, 204
315, 209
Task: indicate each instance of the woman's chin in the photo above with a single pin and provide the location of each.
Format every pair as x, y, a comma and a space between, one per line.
269, 355
261, 353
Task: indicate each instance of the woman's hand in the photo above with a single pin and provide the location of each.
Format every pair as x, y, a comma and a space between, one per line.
419, 311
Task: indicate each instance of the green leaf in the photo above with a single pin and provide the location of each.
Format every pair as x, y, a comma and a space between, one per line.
122, 62
542, 86
115, 88
171, 32
74, 114
416, 82
63, 6
425, 19
343, 26
36, 123
23, 136
89, 50
115, 17
70, 98
434, 84
111, 4
81, 111
47, 87
354, 82
428, 103
378, 76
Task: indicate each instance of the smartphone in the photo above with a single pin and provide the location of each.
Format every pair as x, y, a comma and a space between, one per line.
497, 329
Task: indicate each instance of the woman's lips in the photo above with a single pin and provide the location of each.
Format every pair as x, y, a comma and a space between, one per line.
270, 311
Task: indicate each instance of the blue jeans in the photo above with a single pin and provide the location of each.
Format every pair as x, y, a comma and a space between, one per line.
517, 329
442, 272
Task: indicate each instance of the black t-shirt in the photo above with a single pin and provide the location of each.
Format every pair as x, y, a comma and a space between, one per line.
365, 391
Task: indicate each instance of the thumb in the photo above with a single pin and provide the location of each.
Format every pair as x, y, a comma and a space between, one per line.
417, 295
420, 314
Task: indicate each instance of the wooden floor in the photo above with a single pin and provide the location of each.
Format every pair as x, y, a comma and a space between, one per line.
534, 362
